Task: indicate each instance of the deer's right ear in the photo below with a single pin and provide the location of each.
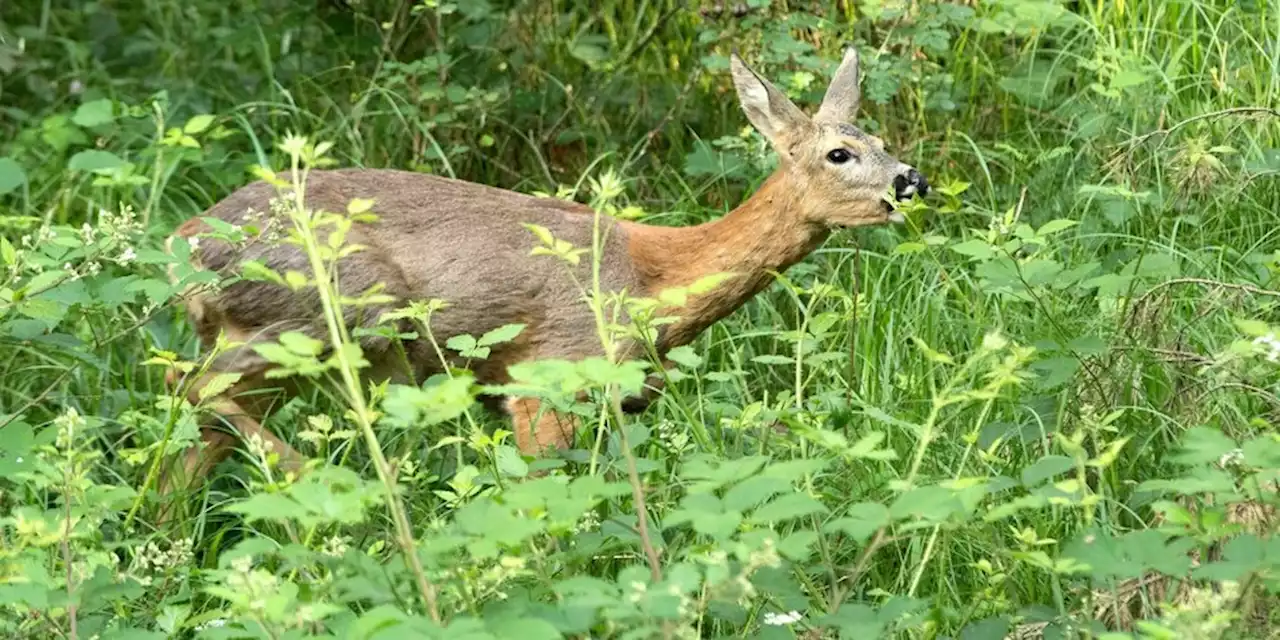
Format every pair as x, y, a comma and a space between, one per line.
768, 109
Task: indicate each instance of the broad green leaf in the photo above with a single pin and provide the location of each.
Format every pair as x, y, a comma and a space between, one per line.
359, 205
94, 113
543, 233
1054, 226
753, 491
787, 507
523, 628
505, 333
407, 406
510, 463
1241, 556
1130, 555
860, 521
16, 442
865, 448
218, 384
197, 124
11, 176
1202, 445
685, 356
94, 160
932, 504
1045, 468
773, 359
301, 343
978, 249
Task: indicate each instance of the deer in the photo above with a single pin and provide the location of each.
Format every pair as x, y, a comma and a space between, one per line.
465, 243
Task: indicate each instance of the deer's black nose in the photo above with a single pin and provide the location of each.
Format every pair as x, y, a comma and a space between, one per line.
910, 183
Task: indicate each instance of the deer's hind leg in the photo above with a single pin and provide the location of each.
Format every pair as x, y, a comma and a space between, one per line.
538, 428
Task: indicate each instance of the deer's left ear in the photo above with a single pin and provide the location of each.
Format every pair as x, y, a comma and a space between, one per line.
768, 108
841, 101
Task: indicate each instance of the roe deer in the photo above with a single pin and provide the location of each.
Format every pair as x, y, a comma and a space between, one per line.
464, 243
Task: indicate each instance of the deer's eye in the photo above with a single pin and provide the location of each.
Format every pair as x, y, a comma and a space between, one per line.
839, 156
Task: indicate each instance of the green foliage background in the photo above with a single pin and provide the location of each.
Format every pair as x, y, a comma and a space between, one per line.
1045, 408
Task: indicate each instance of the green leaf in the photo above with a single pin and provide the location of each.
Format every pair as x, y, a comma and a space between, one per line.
94, 113
685, 356
978, 249
860, 521
932, 504
589, 53
543, 233
505, 333
773, 359
218, 384
358, 206
510, 463
301, 343
1130, 555
1242, 555
524, 628
753, 491
854, 621
94, 160
1046, 468
994, 628
865, 448
197, 124
788, 507
16, 442
132, 634
407, 406
1202, 445
1054, 226
11, 175
1040, 272
327, 495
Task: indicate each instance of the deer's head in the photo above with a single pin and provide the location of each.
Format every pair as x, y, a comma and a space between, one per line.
841, 173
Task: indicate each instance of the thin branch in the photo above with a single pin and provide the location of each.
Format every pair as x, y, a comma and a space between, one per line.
1134, 143
1247, 288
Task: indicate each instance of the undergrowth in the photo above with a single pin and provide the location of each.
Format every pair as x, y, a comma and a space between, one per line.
1044, 408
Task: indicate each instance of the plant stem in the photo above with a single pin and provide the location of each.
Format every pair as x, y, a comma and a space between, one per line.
355, 395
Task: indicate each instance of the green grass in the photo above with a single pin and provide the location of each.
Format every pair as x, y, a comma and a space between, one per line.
1151, 125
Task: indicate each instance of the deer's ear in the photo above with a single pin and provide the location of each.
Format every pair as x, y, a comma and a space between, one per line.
841, 101
768, 109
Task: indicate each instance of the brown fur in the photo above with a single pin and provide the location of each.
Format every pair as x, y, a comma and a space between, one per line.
464, 243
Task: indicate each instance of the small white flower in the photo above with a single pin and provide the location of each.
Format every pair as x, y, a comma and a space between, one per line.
1271, 345
1231, 458
128, 256
212, 624
194, 242
259, 447
782, 619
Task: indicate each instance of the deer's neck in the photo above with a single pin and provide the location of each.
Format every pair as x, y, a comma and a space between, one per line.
763, 236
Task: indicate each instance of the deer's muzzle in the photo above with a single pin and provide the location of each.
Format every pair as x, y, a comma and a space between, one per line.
910, 183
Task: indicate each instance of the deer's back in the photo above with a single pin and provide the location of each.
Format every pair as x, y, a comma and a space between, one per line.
435, 238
